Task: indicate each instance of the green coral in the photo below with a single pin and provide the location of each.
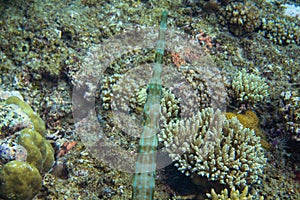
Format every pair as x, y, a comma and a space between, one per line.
38, 123
19, 180
39, 150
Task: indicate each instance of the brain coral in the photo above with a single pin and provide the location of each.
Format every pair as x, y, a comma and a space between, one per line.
25, 154
241, 18
210, 145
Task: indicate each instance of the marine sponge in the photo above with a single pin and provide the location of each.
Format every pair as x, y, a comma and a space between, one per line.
249, 88
241, 18
210, 145
19, 180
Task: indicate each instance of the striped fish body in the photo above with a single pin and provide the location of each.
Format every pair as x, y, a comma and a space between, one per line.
144, 177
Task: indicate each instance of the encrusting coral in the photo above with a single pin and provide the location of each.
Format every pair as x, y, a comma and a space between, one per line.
220, 149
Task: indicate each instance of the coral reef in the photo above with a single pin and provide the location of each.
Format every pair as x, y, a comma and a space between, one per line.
278, 179
249, 88
100, 180
210, 145
241, 18
44, 45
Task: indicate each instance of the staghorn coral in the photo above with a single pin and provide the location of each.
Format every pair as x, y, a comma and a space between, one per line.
210, 145
241, 18
249, 88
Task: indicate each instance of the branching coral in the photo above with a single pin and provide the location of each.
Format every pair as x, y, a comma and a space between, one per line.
249, 88
233, 195
241, 18
281, 31
210, 145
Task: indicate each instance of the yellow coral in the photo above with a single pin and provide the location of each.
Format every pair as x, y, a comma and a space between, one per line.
249, 119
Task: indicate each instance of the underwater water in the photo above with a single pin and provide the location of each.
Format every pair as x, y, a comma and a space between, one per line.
76, 75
